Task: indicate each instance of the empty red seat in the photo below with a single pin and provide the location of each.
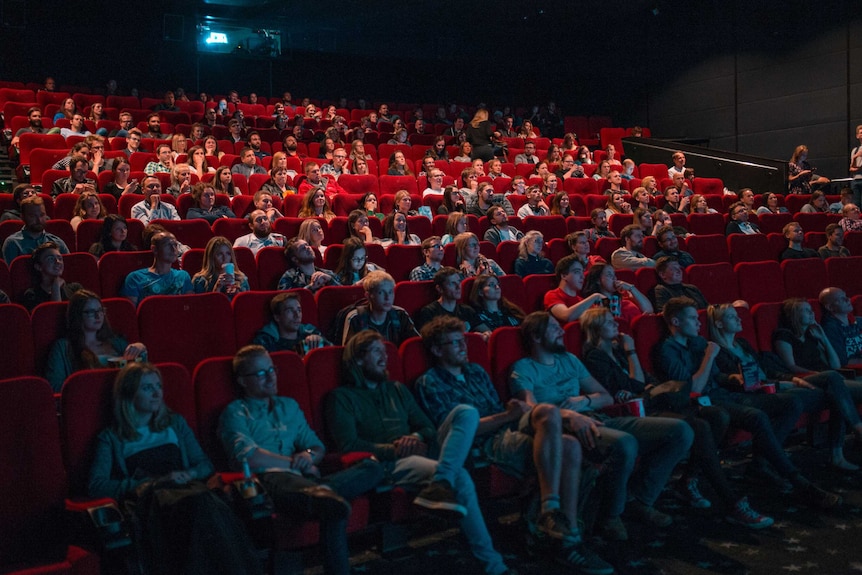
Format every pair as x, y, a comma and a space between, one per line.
804, 278
760, 281
845, 273
716, 281
401, 259
708, 249
705, 224
17, 357
748, 248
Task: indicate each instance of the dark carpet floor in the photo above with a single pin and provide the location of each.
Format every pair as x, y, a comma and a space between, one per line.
802, 540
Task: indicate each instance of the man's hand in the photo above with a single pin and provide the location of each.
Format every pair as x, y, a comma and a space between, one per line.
407, 445
517, 408
302, 461
584, 428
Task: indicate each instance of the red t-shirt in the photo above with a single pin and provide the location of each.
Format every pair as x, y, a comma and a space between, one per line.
558, 296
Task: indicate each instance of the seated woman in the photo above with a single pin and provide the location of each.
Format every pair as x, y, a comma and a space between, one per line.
610, 357
641, 198
353, 265
219, 272
530, 259
624, 300
311, 231
113, 237
181, 180
770, 205
465, 150
223, 183
211, 148
205, 207
603, 171
453, 201
357, 226
198, 162
88, 207
403, 202
550, 183
179, 145
526, 131
469, 261
643, 218
817, 204
315, 205
359, 167
357, 151
561, 205
120, 184
47, 283
395, 231
651, 185
370, 205
617, 205
699, 205
456, 223
804, 348
579, 243
278, 184
493, 309
148, 449
89, 343
660, 219
398, 165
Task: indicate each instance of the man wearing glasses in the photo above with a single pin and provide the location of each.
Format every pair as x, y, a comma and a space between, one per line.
152, 207
77, 182
261, 235
270, 434
126, 124
160, 278
739, 223
432, 249
337, 166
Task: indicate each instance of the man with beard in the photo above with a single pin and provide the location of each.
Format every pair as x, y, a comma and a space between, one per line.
600, 226
152, 207
154, 128
33, 234
630, 256
261, 235
301, 272
77, 127
254, 142
373, 413
290, 145
77, 182
34, 117
160, 278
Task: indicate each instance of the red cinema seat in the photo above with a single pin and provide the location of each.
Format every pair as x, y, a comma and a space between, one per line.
703, 224
581, 186
648, 330
845, 273
251, 312
574, 337
804, 278
271, 265
605, 247
551, 227
201, 326
774, 223
716, 281
115, 266
332, 299
504, 349
401, 259
658, 171
193, 233
760, 281
535, 288
389, 185
708, 249
17, 357
412, 296
359, 184
748, 248
765, 318
33, 532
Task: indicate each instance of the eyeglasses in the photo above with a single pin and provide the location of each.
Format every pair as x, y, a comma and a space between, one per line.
435, 247
359, 260
261, 373
94, 312
340, 157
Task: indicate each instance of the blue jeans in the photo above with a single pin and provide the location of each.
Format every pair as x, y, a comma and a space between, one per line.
455, 438
660, 442
283, 488
856, 188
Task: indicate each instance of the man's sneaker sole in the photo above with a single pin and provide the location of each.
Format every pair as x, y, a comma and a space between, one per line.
441, 506
762, 524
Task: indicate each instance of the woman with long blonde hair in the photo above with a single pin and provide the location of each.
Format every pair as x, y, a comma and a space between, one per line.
215, 275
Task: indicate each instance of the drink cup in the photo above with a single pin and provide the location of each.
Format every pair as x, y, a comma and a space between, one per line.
636, 407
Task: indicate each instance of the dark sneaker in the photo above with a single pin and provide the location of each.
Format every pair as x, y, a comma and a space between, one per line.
555, 525
325, 503
648, 514
439, 496
817, 497
614, 529
761, 472
742, 514
688, 491
583, 560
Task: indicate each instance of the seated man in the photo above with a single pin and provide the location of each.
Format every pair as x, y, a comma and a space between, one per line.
19, 194
248, 164
160, 278
432, 249
133, 142
614, 184
565, 303
301, 271
686, 356
286, 332
338, 166
550, 374
165, 163
535, 205
568, 168
678, 159
254, 142
746, 197
447, 282
681, 185
126, 125
674, 203
168, 104
630, 256
435, 182
379, 314
670, 285
795, 250
32, 234
154, 128
844, 335
77, 127
600, 226
850, 222
270, 435
500, 230
152, 207
669, 244
529, 156
313, 179
261, 235
479, 203
372, 413
34, 125
834, 247
739, 223
521, 440
77, 182
263, 201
